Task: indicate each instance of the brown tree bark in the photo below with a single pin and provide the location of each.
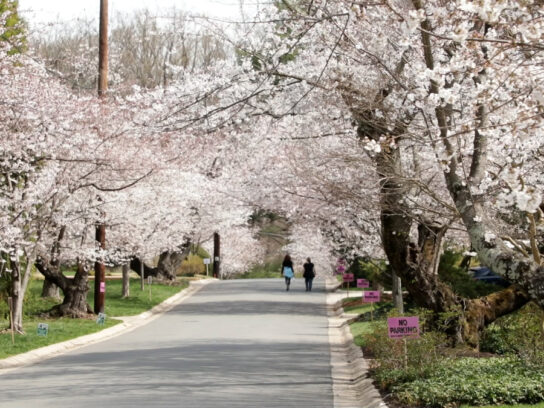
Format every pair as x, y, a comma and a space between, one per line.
518, 268
50, 290
417, 263
169, 263
126, 281
74, 289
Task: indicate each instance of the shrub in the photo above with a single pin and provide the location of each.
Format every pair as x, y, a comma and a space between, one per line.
396, 361
459, 279
475, 382
193, 265
520, 333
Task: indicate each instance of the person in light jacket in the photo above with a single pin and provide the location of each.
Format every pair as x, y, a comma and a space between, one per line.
287, 270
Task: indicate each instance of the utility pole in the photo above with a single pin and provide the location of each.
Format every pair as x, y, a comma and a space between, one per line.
103, 50
216, 255
100, 272
99, 267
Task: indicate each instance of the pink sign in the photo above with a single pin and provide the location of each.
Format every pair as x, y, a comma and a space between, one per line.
340, 268
371, 296
399, 327
348, 277
102, 287
363, 283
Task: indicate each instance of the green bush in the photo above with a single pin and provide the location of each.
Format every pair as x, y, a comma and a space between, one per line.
476, 382
458, 278
374, 270
269, 269
192, 266
397, 361
520, 333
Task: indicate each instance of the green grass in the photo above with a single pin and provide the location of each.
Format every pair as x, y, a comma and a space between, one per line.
138, 301
359, 330
59, 330
62, 329
268, 270
360, 308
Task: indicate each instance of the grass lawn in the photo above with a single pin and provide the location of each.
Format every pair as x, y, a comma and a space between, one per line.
359, 330
62, 329
139, 301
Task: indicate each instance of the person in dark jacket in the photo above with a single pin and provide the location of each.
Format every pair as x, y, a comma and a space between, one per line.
309, 274
287, 270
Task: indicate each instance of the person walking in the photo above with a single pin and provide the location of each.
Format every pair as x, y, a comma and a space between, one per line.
287, 270
309, 274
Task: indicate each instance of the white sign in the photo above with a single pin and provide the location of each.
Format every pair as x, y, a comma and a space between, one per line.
43, 329
207, 261
101, 318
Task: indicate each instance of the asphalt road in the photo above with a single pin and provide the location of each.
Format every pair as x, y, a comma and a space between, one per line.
233, 344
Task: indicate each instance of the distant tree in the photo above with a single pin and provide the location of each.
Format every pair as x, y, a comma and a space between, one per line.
13, 26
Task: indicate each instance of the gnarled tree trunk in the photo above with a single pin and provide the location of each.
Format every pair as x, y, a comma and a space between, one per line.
50, 290
169, 263
74, 289
417, 264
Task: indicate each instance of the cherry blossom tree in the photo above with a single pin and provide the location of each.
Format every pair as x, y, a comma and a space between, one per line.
447, 100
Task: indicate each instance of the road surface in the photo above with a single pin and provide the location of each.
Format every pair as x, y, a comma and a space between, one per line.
240, 343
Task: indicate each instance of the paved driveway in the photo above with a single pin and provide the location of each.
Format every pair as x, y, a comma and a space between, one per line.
235, 343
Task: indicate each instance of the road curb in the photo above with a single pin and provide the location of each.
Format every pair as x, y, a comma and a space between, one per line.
352, 385
129, 323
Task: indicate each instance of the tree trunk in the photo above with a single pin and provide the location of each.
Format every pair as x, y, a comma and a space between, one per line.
50, 290
17, 296
417, 264
492, 251
19, 285
126, 281
74, 289
169, 263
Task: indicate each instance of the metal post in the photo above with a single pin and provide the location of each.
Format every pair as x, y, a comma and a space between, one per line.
103, 49
216, 255
100, 272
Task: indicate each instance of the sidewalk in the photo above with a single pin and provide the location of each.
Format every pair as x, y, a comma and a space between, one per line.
352, 385
129, 323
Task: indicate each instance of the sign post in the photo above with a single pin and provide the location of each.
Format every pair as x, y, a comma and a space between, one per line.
363, 283
371, 296
149, 282
347, 278
402, 328
207, 261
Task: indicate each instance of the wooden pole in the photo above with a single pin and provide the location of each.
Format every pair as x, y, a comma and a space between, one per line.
216, 255
99, 267
142, 283
103, 49
100, 272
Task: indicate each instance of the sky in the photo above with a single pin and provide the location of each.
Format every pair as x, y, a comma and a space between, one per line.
47, 11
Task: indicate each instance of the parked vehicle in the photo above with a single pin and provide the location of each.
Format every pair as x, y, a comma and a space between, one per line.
484, 274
